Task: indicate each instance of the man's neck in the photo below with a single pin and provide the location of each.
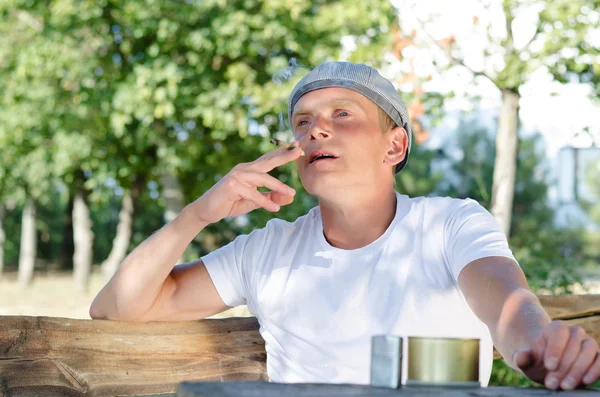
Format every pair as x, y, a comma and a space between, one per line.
352, 224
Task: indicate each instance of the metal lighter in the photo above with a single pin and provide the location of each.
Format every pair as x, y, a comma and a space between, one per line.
386, 361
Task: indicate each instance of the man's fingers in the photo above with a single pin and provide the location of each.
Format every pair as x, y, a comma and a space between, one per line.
557, 336
276, 158
524, 359
268, 181
279, 199
561, 356
530, 363
570, 352
585, 358
260, 200
593, 372
539, 347
570, 355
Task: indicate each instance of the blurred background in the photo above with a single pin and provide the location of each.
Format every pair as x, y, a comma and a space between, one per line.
116, 114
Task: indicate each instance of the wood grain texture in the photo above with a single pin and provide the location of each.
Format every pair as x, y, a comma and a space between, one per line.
53, 356
65, 357
582, 310
562, 307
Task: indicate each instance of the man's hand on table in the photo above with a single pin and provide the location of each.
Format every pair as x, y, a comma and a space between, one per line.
561, 357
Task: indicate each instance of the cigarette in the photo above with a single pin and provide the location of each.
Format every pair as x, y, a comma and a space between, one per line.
284, 145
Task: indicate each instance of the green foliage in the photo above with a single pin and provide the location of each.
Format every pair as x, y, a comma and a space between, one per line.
550, 258
471, 163
98, 93
12, 222
558, 37
562, 27
419, 178
102, 96
571, 38
592, 179
504, 375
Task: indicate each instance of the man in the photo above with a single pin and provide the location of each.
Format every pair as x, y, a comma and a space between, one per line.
366, 261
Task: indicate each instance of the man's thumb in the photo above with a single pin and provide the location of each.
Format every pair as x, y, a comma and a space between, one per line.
523, 359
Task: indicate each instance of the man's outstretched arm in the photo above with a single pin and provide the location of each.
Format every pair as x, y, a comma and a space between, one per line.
548, 352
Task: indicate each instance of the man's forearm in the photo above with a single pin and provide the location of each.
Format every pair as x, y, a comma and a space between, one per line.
135, 286
520, 323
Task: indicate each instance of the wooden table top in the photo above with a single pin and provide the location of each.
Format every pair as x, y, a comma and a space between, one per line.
266, 389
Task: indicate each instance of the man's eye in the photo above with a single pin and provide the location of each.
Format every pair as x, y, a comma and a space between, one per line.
300, 123
343, 114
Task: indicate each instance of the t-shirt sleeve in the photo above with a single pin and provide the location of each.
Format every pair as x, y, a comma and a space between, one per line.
472, 233
225, 266
232, 267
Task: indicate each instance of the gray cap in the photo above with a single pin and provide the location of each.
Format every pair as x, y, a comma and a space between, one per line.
362, 79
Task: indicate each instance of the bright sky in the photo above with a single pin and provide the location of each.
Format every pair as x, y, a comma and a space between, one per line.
558, 117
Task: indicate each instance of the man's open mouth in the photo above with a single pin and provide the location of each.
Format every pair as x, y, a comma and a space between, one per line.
321, 156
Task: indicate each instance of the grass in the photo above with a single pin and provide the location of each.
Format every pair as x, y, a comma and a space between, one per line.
53, 294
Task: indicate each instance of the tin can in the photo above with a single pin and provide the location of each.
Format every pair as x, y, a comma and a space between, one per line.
443, 362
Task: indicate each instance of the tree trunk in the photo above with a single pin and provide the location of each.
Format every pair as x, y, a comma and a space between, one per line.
576, 174
67, 249
2, 240
27, 250
83, 239
122, 239
506, 160
173, 195
171, 191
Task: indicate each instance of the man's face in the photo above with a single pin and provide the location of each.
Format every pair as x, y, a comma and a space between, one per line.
340, 133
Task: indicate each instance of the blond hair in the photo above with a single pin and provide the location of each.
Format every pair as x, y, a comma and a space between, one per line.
385, 122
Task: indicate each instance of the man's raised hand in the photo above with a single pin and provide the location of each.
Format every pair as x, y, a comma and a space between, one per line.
237, 192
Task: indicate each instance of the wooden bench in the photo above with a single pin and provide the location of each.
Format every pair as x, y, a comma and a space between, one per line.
52, 356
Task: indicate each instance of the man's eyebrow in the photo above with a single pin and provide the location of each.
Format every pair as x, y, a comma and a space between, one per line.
301, 112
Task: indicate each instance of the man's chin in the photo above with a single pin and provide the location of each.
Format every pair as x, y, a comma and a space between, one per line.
324, 186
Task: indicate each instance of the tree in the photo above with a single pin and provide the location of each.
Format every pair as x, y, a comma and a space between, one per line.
152, 91
580, 64
194, 76
550, 258
41, 118
22, 139
2, 239
507, 56
592, 178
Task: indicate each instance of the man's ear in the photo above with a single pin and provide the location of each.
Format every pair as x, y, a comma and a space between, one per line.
398, 145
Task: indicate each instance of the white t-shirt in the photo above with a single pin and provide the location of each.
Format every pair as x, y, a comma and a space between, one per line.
318, 306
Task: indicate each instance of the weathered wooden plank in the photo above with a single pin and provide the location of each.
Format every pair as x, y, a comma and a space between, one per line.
590, 324
59, 356
585, 312
561, 307
67, 357
263, 389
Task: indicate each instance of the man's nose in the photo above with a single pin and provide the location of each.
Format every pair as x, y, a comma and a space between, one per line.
320, 129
